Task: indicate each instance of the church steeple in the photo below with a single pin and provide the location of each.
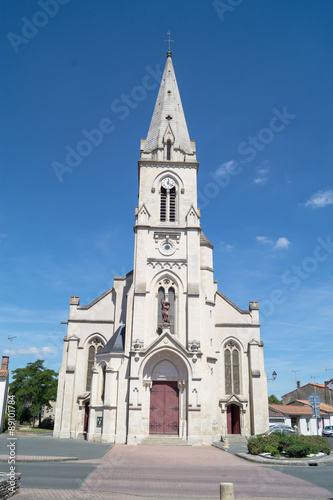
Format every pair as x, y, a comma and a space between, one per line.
168, 137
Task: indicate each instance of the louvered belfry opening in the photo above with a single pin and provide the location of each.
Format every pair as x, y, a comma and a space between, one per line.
163, 214
172, 205
168, 205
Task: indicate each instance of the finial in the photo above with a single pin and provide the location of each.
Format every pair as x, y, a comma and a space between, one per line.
169, 53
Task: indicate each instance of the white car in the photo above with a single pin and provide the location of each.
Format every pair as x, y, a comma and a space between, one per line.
280, 429
328, 431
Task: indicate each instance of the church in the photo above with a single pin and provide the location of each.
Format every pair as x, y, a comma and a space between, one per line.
163, 352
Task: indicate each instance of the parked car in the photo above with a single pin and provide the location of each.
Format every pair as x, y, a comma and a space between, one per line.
280, 429
328, 431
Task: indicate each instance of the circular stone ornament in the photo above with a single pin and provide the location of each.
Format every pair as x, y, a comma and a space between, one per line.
167, 247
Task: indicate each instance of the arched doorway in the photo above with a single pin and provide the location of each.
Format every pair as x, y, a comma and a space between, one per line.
233, 419
165, 406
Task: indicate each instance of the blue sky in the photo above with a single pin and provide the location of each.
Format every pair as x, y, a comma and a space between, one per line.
256, 84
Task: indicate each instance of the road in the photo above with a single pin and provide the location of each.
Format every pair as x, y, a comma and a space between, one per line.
55, 476
321, 476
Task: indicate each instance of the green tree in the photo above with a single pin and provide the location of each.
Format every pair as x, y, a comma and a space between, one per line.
273, 400
33, 387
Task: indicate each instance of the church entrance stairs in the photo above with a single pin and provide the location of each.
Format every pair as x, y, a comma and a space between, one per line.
164, 440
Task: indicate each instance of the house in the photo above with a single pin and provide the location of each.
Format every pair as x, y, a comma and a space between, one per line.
163, 352
303, 392
4, 381
299, 413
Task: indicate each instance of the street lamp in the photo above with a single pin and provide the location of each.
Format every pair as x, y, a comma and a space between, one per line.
274, 375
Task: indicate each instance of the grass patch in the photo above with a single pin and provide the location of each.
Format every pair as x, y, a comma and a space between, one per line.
32, 430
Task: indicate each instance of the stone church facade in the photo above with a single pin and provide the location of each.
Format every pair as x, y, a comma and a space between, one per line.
163, 352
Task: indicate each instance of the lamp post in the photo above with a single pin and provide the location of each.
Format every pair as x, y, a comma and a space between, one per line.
274, 375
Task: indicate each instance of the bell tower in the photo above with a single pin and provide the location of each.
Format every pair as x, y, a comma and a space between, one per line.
166, 262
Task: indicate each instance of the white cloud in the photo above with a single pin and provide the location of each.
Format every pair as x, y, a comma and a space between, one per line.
260, 180
228, 167
37, 351
262, 174
282, 243
320, 199
264, 240
225, 247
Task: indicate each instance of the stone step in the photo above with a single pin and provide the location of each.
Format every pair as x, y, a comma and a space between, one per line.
164, 440
236, 438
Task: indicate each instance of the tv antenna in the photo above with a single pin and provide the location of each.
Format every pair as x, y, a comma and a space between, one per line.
295, 371
11, 340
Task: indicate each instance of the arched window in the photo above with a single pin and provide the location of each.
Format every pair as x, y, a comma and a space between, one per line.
232, 369
95, 345
168, 205
91, 361
103, 383
166, 303
168, 149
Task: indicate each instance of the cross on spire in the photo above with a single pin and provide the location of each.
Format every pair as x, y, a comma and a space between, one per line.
169, 42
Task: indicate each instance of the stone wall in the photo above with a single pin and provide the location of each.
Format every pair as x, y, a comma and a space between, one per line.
7, 488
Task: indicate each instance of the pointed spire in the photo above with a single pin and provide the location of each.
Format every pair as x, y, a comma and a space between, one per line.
168, 121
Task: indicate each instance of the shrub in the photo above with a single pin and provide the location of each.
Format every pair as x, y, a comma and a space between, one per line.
47, 423
273, 451
257, 445
291, 444
5, 422
319, 442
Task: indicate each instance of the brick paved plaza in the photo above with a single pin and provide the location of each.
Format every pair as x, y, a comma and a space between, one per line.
167, 472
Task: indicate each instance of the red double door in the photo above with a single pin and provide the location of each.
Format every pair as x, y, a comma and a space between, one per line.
164, 408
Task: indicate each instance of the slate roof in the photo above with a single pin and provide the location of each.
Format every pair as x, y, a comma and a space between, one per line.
168, 104
116, 343
204, 241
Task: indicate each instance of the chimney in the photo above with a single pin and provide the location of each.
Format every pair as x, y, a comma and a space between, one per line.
4, 362
298, 384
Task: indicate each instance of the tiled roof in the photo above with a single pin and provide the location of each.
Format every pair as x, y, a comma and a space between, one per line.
168, 111
294, 409
323, 406
310, 383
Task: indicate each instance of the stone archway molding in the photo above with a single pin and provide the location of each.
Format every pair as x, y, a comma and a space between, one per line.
242, 403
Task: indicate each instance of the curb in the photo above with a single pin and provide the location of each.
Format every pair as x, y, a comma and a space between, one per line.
328, 459
18, 458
